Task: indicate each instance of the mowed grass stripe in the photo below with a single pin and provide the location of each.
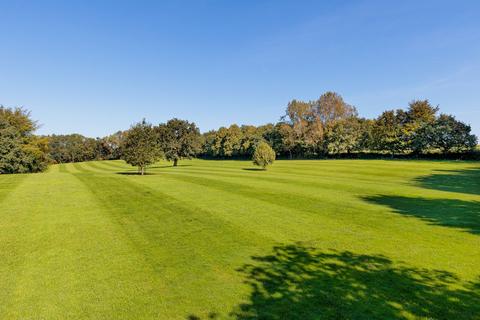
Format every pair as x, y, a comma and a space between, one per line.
358, 184
293, 182
67, 257
175, 197
327, 179
8, 183
328, 170
84, 242
404, 234
178, 240
271, 219
344, 171
326, 197
153, 198
286, 192
259, 192
115, 165
328, 167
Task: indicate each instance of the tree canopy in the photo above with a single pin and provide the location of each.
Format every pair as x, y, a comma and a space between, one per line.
179, 139
328, 126
20, 150
140, 146
263, 155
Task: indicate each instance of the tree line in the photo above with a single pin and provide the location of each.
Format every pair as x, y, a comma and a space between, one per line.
326, 127
77, 148
329, 127
145, 144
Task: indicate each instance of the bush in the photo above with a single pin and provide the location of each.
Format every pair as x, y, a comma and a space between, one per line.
263, 155
20, 150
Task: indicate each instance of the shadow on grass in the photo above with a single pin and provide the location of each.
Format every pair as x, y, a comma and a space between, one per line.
134, 173
153, 167
443, 212
301, 282
254, 169
170, 166
464, 181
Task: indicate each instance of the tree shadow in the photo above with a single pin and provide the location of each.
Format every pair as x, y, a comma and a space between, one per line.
464, 181
254, 169
128, 173
301, 282
443, 212
135, 173
170, 166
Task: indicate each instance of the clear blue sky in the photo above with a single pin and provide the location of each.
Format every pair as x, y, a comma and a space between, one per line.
94, 67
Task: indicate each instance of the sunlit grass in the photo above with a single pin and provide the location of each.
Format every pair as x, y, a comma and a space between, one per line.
344, 239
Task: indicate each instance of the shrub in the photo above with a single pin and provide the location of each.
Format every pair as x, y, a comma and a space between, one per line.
263, 155
20, 150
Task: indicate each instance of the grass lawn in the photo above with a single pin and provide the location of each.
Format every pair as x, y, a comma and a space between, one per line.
332, 239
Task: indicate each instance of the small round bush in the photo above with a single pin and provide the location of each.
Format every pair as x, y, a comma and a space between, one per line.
263, 155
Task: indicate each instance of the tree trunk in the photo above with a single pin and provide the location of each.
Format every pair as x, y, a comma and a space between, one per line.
175, 162
445, 153
142, 170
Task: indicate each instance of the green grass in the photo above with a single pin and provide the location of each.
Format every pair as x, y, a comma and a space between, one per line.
339, 239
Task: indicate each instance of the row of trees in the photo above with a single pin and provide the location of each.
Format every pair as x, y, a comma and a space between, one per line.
145, 144
21, 151
235, 141
77, 148
330, 126
322, 127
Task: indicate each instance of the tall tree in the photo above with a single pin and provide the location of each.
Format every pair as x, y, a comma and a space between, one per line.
208, 144
225, 142
11, 152
73, 148
140, 147
179, 139
421, 112
388, 132
284, 139
20, 150
231, 142
331, 107
20, 119
343, 136
306, 126
251, 135
365, 141
447, 134
330, 125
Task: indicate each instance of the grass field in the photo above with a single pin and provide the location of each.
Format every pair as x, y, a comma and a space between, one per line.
336, 239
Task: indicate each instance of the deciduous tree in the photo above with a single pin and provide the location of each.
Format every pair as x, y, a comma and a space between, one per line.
179, 139
331, 107
387, 132
447, 134
343, 136
140, 147
20, 150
